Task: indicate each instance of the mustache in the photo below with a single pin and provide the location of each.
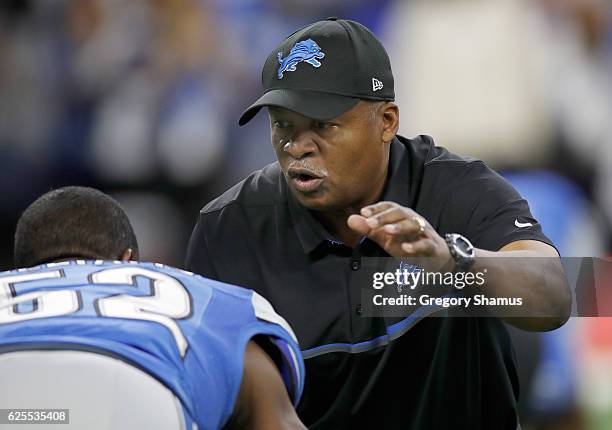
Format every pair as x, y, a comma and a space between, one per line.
302, 164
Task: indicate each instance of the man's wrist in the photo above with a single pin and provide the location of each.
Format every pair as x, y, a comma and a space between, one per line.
462, 252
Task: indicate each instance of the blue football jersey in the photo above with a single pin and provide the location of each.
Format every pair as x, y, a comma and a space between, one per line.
188, 332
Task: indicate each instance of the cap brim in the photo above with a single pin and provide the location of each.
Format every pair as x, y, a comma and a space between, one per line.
312, 104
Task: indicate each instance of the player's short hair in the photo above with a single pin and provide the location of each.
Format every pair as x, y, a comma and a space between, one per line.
73, 222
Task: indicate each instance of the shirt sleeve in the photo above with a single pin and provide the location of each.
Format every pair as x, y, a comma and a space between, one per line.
496, 213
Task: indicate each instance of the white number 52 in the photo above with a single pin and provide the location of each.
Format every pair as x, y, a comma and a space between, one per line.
168, 301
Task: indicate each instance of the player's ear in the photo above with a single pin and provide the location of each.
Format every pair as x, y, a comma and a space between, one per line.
390, 114
126, 255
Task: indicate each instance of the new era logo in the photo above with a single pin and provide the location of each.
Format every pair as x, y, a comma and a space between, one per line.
376, 84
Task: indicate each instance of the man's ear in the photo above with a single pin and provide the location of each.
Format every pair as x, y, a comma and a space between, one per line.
390, 115
126, 255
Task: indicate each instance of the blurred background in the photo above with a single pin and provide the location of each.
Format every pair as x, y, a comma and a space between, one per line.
141, 98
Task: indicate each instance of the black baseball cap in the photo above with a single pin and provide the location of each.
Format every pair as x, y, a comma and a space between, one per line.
323, 70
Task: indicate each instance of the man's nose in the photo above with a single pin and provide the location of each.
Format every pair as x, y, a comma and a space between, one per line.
299, 146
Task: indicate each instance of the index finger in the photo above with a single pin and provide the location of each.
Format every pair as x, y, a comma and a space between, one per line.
368, 211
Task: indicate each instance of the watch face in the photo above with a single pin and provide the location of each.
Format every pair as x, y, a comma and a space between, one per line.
463, 246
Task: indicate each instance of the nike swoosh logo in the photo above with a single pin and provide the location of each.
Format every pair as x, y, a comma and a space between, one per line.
522, 224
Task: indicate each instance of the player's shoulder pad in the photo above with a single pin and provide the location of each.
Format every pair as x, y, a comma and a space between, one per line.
265, 311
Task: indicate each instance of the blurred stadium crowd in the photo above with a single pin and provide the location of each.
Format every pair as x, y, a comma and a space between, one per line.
141, 99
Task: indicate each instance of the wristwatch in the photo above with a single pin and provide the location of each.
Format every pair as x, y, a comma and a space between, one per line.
461, 250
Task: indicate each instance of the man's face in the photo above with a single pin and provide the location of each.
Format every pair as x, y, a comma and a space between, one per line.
332, 165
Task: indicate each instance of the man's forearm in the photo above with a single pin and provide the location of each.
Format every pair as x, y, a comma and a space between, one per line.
536, 277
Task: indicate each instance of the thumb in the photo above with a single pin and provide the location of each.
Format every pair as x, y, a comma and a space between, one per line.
358, 223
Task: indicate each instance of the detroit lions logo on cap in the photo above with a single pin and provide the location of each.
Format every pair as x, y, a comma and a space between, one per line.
306, 50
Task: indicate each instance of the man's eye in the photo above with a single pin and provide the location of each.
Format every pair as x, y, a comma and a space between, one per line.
281, 125
322, 125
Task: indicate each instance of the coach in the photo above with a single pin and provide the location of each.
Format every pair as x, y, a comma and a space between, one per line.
346, 187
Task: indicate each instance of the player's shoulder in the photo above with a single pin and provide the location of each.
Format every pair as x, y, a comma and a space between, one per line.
199, 282
234, 298
261, 188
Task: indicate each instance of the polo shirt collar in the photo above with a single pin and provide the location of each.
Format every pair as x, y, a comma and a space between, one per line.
397, 188
311, 233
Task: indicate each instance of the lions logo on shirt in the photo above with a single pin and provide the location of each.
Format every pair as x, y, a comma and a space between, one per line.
306, 50
404, 266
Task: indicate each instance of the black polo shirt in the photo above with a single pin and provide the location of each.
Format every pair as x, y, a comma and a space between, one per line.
433, 373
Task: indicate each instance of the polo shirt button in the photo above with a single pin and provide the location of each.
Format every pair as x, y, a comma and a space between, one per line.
355, 265
359, 310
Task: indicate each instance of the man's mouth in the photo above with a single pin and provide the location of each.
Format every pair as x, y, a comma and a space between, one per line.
305, 180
